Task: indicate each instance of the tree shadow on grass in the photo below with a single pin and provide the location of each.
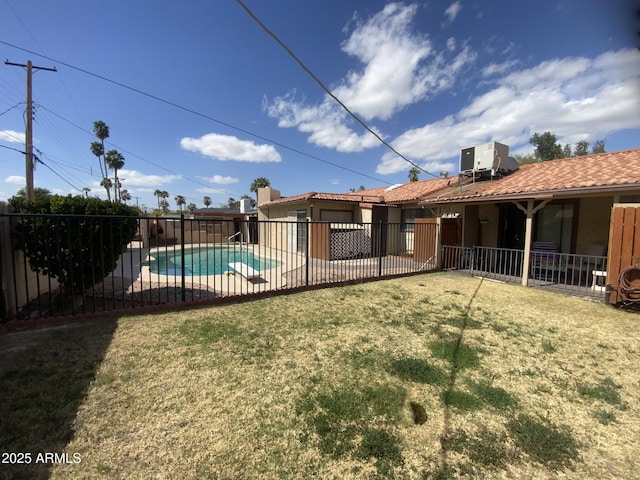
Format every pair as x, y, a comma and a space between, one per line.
45, 375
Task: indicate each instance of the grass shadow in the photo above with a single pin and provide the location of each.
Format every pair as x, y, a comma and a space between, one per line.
45, 375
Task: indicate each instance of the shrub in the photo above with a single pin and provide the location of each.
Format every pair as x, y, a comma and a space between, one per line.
75, 240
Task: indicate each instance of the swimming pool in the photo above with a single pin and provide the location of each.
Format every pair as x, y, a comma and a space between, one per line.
207, 261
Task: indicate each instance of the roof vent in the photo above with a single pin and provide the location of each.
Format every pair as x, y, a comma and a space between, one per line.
444, 175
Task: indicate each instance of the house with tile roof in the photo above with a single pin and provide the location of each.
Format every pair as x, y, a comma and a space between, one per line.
564, 204
392, 205
569, 201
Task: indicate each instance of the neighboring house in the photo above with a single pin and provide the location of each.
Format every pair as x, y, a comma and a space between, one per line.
228, 224
396, 205
205, 225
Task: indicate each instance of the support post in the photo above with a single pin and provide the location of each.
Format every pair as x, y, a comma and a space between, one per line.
439, 242
182, 259
306, 254
29, 125
380, 249
527, 243
529, 211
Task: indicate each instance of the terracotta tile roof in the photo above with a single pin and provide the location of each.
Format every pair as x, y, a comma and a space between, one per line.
605, 171
413, 191
336, 197
395, 194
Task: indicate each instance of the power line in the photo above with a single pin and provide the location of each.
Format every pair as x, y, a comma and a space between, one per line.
11, 108
56, 173
219, 191
14, 149
328, 91
200, 114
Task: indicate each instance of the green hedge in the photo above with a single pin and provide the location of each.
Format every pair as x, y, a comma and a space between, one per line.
75, 240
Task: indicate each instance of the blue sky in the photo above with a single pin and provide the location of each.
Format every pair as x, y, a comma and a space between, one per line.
213, 102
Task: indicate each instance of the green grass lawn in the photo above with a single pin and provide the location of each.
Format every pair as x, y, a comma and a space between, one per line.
433, 376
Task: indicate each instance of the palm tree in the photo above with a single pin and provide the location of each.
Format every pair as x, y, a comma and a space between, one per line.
115, 161
157, 193
101, 130
86, 191
413, 174
125, 196
259, 182
97, 149
164, 206
207, 201
107, 184
192, 207
180, 201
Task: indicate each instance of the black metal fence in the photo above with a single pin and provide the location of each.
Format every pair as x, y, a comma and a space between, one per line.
83, 264
562, 272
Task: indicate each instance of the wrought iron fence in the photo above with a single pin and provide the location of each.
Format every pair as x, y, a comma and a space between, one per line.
562, 272
90, 264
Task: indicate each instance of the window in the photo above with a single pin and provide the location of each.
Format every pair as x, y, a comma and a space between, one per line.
554, 223
408, 217
336, 216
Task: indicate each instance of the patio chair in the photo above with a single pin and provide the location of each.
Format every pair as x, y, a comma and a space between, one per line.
545, 260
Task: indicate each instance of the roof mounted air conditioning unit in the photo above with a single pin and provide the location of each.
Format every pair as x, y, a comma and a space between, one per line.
492, 157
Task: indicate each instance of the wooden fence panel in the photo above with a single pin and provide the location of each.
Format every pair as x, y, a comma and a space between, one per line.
624, 243
424, 243
320, 240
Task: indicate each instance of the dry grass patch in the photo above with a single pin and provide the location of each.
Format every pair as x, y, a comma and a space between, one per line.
434, 376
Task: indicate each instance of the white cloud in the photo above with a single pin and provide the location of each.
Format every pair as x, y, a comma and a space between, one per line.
452, 11
16, 180
451, 44
136, 178
498, 68
398, 68
219, 179
226, 147
12, 136
326, 124
574, 98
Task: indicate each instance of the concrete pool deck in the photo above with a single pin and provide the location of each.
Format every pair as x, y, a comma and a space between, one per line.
133, 280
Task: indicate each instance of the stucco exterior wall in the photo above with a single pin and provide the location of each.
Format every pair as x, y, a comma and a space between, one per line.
489, 217
594, 218
274, 235
319, 205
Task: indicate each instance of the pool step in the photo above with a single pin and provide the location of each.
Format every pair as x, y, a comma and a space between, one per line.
245, 270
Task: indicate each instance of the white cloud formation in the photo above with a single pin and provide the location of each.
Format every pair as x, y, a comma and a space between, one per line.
219, 179
398, 69
452, 11
574, 98
138, 179
498, 68
12, 136
16, 180
226, 147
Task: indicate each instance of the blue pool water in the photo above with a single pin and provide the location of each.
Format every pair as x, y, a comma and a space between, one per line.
207, 261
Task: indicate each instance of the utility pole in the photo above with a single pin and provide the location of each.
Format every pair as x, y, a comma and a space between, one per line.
29, 129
